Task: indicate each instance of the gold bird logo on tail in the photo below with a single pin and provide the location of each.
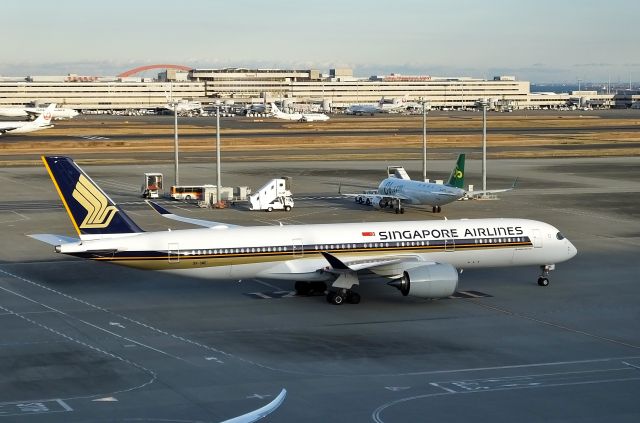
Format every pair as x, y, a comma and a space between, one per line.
99, 212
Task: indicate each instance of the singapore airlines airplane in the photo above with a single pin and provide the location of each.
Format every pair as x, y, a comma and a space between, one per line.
420, 258
41, 122
301, 117
399, 188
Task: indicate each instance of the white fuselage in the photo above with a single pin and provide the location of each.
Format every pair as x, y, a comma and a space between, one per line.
420, 193
294, 252
22, 127
302, 117
57, 113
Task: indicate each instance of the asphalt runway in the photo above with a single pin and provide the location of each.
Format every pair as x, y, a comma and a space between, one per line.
89, 342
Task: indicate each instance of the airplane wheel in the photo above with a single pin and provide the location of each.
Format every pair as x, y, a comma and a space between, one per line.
402, 210
543, 281
397, 210
335, 298
353, 298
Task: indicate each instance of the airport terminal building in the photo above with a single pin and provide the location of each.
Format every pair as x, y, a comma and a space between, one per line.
335, 90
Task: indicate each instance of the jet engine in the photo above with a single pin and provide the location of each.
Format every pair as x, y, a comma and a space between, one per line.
437, 280
378, 202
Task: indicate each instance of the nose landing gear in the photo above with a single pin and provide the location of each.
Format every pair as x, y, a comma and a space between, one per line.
543, 280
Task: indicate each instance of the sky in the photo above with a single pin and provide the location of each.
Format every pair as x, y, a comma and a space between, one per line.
535, 40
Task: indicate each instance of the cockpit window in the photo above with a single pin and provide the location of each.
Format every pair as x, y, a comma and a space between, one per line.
560, 236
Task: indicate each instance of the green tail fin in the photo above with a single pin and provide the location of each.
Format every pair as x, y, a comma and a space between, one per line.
456, 179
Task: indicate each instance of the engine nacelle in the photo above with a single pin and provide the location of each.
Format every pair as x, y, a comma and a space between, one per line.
378, 202
436, 280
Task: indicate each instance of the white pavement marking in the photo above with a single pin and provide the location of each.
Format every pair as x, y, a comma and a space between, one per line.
378, 411
397, 388
556, 325
154, 329
105, 399
451, 391
91, 347
12, 219
266, 283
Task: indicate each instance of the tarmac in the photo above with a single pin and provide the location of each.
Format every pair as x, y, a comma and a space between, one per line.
90, 342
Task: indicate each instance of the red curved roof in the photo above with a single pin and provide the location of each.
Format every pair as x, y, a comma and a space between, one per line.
149, 67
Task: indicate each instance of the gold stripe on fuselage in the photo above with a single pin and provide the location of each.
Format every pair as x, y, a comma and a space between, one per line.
176, 261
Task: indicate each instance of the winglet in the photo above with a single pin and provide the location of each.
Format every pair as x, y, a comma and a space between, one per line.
161, 210
200, 222
334, 261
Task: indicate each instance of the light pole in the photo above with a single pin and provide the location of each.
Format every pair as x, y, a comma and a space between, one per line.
483, 102
424, 141
175, 142
218, 182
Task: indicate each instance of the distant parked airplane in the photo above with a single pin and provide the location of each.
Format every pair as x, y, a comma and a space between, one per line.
301, 117
57, 113
41, 122
383, 106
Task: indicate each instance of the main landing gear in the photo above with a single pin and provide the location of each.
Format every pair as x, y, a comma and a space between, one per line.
343, 295
338, 297
397, 206
543, 280
436, 209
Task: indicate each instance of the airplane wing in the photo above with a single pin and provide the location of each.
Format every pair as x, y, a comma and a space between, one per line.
200, 222
356, 265
474, 195
8, 128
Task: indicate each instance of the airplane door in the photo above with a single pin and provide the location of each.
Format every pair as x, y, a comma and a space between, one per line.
449, 244
537, 239
297, 248
173, 252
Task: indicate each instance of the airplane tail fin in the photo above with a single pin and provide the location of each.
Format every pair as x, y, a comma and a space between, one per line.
456, 179
274, 109
92, 212
45, 117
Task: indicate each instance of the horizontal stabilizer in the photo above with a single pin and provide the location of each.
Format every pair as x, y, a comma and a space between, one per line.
200, 222
53, 239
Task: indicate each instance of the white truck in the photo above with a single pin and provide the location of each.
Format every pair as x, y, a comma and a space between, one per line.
274, 195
